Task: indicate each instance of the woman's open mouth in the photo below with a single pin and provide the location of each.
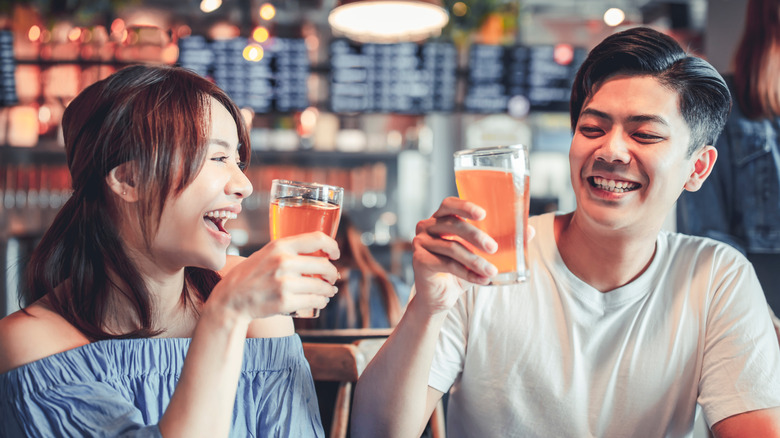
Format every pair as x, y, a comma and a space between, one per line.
216, 219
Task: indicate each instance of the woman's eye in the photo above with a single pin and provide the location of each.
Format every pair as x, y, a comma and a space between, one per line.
241, 165
220, 159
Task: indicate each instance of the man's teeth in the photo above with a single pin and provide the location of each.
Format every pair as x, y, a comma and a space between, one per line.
611, 185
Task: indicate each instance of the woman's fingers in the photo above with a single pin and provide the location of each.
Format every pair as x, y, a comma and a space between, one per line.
308, 243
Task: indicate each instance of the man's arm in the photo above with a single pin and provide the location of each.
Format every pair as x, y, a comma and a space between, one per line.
763, 423
392, 396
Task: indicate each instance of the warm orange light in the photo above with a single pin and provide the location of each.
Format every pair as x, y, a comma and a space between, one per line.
260, 34
44, 114
210, 5
614, 16
253, 52
74, 34
170, 53
267, 11
460, 9
118, 26
309, 120
184, 31
563, 54
34, 33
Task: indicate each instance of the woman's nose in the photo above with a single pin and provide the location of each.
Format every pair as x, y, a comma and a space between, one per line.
239, 184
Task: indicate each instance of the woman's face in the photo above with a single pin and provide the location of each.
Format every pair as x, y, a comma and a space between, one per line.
192, 229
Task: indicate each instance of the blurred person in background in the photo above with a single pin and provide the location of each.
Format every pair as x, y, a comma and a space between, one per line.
369, 296
741, 203
136, 322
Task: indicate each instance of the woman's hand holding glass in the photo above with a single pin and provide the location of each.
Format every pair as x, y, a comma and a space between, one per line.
281, 278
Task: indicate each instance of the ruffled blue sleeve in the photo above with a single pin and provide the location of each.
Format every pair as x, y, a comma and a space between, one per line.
37, 400
121, 388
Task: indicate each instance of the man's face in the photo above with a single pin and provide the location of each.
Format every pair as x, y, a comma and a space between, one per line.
628, 155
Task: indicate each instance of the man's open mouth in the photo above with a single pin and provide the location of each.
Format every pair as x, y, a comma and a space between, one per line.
612, 185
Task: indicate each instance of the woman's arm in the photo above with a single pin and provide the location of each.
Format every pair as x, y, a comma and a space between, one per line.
269, 282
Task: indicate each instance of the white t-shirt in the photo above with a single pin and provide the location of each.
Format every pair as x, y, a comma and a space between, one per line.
554, 357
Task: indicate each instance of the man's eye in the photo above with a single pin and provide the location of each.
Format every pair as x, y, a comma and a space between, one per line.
647, 138
590, 131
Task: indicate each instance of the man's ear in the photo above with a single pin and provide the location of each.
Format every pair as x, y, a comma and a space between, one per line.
121, 180
702, 167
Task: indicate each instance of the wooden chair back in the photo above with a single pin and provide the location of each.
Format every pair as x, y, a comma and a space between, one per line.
343, 363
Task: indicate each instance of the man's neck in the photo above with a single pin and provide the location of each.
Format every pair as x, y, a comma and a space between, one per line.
606, 260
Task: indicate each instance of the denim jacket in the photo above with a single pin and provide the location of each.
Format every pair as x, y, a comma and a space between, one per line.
740, 201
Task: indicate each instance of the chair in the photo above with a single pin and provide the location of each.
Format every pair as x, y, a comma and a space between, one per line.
343, 363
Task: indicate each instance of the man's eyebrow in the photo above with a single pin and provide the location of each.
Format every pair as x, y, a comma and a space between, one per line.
639, 118
648, 118
595, 113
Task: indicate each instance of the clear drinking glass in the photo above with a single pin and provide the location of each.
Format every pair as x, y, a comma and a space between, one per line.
299, 207
496, 179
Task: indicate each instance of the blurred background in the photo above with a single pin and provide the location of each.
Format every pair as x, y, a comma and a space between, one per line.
377, 107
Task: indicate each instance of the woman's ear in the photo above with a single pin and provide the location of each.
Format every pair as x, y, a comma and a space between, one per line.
702, 167
121, 180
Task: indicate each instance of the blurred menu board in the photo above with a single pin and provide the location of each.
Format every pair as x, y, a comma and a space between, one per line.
521, 78
406, 78
276, 82
7, 69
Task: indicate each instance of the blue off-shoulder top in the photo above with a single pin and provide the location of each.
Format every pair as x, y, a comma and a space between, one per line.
120, 388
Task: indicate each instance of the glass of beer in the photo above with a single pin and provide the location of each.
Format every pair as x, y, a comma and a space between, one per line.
298, 207
496, 179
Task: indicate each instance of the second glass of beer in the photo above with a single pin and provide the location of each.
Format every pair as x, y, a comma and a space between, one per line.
298, 207
496, 179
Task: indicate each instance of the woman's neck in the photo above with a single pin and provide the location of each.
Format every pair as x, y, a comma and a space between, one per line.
173, 307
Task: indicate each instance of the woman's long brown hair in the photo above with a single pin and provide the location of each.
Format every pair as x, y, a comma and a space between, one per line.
156, 119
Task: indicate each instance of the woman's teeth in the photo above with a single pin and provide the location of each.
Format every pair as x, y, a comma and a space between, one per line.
219, 218
611, 185
222, 214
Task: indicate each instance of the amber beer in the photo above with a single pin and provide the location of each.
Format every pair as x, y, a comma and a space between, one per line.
298, 208
497, 180
297, 215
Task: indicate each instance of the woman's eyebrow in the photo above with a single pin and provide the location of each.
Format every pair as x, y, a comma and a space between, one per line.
221, 143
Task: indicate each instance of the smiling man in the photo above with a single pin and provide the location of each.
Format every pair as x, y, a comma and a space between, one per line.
622, 329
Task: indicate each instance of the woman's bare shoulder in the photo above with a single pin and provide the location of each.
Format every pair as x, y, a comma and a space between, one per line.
34, 333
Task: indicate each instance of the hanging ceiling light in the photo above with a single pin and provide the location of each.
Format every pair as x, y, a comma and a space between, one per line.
388, 21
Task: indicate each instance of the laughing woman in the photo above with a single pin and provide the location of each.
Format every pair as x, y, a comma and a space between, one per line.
137, 323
